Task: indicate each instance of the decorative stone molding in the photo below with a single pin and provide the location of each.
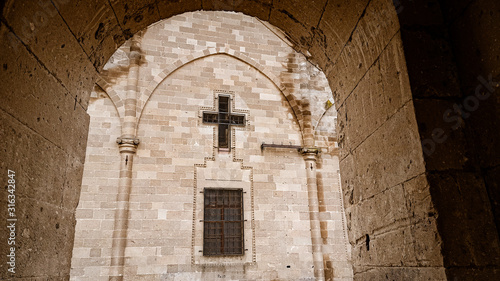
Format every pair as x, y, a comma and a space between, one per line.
127, 144
305, 151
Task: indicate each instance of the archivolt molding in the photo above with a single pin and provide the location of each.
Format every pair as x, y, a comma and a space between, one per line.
266, 71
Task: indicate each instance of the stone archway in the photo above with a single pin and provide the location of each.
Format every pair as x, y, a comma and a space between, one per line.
52, 52
288, 77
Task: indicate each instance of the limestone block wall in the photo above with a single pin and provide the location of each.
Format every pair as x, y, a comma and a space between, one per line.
389, 212
53, 52
96, 208
186, 62
181, 39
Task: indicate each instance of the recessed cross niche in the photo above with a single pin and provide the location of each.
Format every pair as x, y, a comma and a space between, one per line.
224, 119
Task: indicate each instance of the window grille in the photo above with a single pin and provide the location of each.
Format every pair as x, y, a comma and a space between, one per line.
224, 119
223, 222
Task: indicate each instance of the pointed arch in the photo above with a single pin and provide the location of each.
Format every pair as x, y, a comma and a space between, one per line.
113, 96
266, 71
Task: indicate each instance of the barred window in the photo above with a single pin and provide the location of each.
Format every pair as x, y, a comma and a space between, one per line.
223, 222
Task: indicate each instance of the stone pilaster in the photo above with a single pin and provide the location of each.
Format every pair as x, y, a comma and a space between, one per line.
128, 146
310, 155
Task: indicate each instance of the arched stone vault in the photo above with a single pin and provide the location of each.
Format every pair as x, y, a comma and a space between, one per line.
52, 52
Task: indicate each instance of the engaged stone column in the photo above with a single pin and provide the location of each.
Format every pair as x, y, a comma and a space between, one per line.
312, 190
128, 148
130, 118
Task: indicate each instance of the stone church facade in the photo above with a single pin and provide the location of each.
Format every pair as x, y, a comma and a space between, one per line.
399, 71
211, 104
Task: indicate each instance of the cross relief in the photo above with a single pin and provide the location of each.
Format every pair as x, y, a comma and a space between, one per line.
224, 119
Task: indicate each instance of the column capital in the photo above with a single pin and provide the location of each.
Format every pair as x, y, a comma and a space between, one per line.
128, 144
309, 151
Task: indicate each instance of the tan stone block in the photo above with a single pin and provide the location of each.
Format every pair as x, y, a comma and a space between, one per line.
134, 16
339, 18
422, 273
355, 61
39, 23
382, 210
393, 248
399, 159
58, 224
290, 14
48, 109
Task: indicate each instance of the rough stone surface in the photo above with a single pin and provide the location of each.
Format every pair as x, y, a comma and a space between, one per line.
47, 108
100, 31
327, 48
258, 8
453, 68
45, 226
129, 13
374, 31
441, 138
458, 214
447, 45
300, 23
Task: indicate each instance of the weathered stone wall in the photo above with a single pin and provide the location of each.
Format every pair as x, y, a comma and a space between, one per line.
96, 208
388, 209
43, 134
178, 79
476, 31
61, 45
